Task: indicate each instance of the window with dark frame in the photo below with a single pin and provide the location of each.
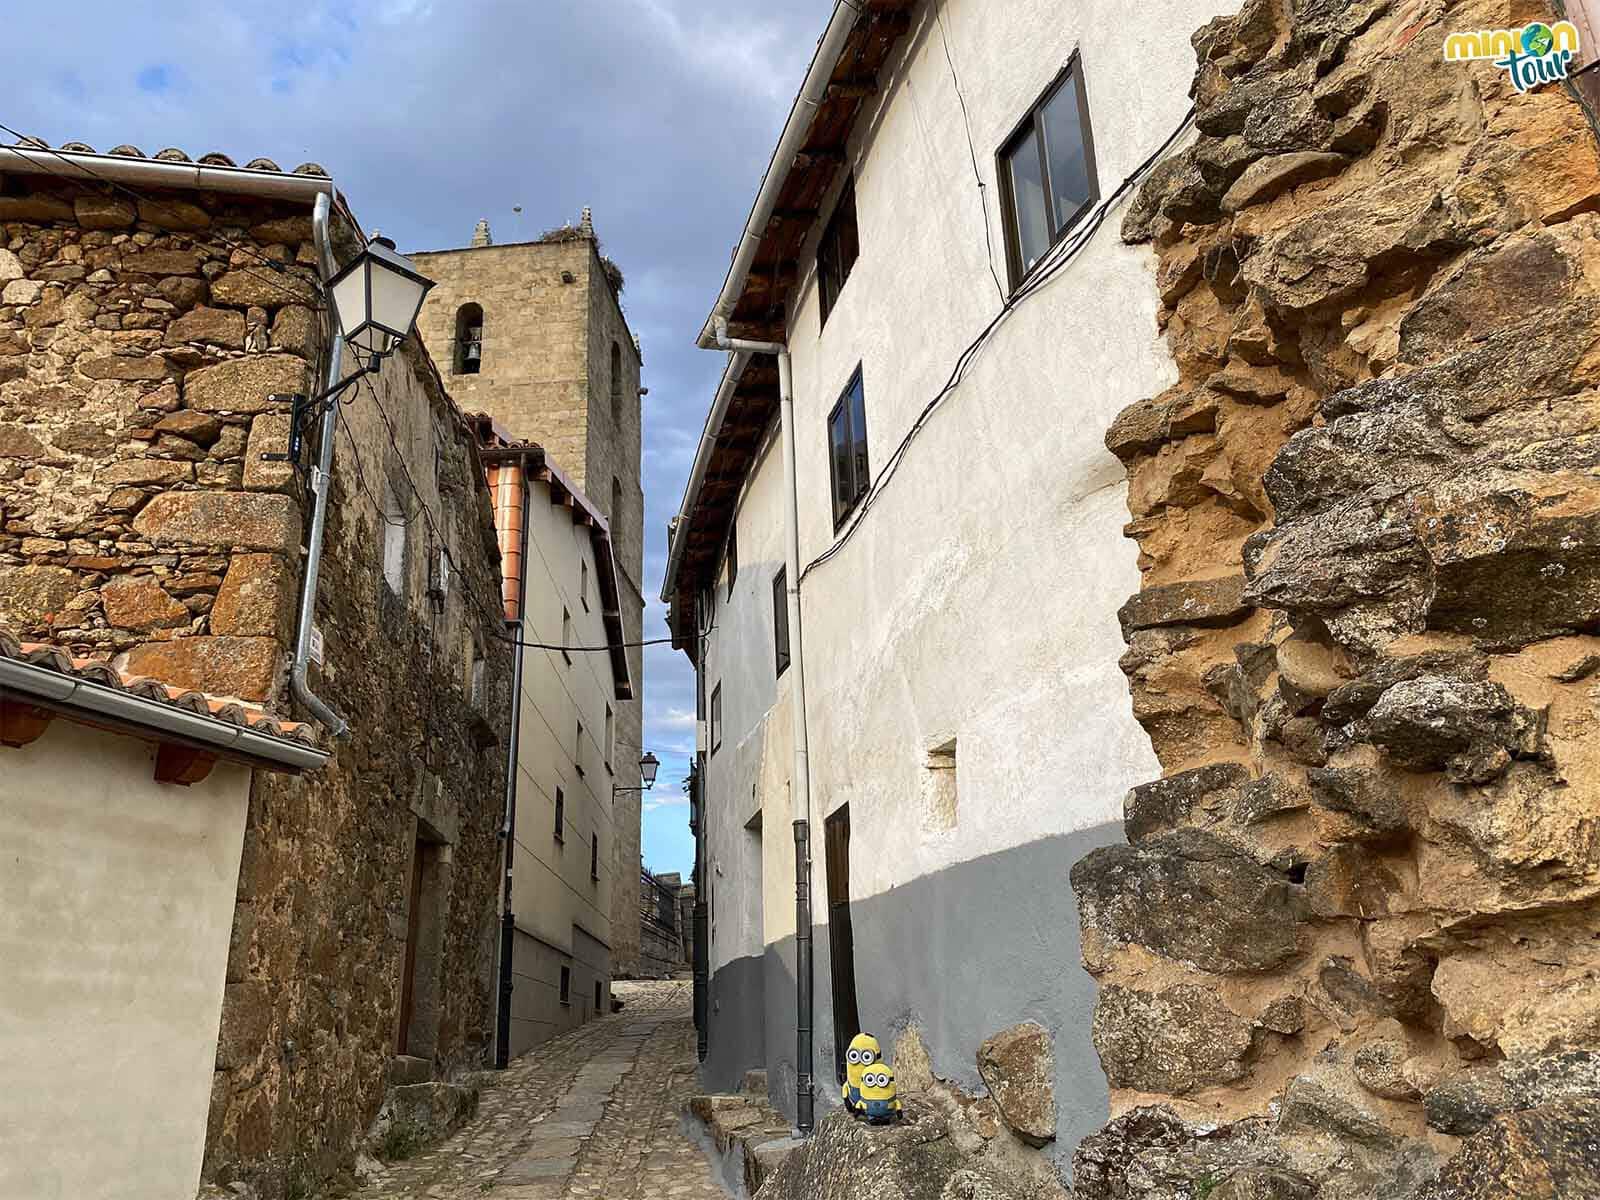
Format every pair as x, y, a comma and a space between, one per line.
594, 857
597, 994
847, 449
566, 985
1047, 172
561, 816
733, 555
837, 252
780, 618
566, 635
716, 717
577, 751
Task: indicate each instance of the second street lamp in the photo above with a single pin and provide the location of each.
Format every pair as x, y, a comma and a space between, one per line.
648, 766
376, 299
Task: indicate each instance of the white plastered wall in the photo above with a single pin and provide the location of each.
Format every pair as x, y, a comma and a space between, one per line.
116, 906
553, 894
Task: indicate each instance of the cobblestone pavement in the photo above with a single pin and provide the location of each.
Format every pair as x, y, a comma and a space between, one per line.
594, 1112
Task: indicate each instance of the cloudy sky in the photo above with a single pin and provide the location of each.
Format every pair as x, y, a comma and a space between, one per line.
659, 114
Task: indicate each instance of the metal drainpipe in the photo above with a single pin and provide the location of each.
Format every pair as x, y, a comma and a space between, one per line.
800, 782
508, 827
337, 725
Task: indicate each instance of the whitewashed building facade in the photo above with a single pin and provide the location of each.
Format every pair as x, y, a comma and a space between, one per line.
933, 212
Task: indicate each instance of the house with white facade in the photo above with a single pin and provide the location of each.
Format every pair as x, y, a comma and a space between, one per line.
899, 558
570, 678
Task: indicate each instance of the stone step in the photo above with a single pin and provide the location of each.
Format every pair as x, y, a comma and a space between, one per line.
750, 1137
405, 1069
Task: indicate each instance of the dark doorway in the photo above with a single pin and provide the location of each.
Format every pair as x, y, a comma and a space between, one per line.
841, 937
408, 977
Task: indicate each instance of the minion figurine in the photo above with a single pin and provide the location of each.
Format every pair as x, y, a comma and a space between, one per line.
879, 1102
864, 1052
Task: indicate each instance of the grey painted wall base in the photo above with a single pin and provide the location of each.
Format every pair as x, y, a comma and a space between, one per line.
961, 954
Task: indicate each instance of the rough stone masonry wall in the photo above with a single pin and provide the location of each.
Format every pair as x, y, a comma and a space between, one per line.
1351, 947
139, 523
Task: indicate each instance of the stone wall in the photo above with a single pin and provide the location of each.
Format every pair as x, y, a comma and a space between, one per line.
138, 345
1354, 923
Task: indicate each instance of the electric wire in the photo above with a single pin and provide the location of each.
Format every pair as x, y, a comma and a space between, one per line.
25, 142
423, 509
1048, 268
972, 153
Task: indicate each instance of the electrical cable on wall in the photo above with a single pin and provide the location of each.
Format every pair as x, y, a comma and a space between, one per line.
1048, 268
972, 153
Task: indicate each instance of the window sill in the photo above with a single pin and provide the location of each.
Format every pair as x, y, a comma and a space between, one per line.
843, 518
559, 840
567, 656
566, 1004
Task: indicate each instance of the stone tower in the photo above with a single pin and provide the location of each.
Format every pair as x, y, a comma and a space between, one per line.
533, 334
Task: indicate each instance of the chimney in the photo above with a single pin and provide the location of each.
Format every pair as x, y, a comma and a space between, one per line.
480, 234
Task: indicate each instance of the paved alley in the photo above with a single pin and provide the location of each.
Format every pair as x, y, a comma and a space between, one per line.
594, 1113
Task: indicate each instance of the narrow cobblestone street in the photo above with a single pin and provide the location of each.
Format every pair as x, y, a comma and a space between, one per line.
594, 1113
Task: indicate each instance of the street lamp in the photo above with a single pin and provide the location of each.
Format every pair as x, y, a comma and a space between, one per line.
376, 299
648, 766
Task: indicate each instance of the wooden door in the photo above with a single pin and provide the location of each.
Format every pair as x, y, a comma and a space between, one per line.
841, 936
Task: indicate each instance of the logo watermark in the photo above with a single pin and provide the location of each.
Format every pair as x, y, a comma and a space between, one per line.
1534, 54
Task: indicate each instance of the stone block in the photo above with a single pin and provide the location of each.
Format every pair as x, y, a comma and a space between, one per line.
260, 285
243, 385
21, 291
139, 602
223, 520
37, 207
1192, 602
31, 595
197, 427
254, 600
17, 442
269, 434
162, 262
1546, 1151
174, 214
1018, 1065
244, 667
10, 267
218, 326
1189, 897
146, 472
117, 366
1164, 805
295, 329
1172, 1041
103, 212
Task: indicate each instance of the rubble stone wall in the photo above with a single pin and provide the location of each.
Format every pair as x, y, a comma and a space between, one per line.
1355, 922
139, 342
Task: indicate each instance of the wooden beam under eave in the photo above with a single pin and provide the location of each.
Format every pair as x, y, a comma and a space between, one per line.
183, 765
807, 159
22, 723
852, 89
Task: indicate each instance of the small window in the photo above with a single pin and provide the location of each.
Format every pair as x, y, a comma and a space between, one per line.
780, 618
577, 752
566, 635
476, 689
561, 816
716, 718
1047, 175
599, 991
847, 449
394, 543
594, 857
616, 504
566, 985
836, 253
583, 583
939, 793
733, 556
611, 733
469, 339
616, 383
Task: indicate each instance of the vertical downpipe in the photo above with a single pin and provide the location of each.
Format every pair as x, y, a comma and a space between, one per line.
324, 713
511, 497
800, 788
